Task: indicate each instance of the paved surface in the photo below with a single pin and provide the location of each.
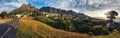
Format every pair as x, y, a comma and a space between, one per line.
9, 29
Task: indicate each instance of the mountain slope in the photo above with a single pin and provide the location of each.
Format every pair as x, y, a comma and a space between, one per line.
60, 11
33, 29
25, 8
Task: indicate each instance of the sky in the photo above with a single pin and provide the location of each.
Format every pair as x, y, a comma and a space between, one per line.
93, 8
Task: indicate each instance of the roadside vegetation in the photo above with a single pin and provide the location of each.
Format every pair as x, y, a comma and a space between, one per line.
29, 28
85, 26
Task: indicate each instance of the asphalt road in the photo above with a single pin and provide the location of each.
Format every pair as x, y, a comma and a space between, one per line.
9, 29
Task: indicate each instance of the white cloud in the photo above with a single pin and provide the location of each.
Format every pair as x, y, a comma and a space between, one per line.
89, 7
8, 6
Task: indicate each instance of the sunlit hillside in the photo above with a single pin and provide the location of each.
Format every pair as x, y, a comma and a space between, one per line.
29, 28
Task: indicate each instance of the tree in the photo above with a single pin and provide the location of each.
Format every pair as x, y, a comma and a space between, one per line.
110, 16
35, 13
69, 25
3, 14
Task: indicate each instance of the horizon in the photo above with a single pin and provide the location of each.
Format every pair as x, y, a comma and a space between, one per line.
86, 7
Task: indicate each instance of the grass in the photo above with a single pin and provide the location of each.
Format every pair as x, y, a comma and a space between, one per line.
29, 28
4, 20
115, 34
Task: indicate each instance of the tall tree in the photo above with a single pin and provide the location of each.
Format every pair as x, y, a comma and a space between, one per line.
3, 14
111, 15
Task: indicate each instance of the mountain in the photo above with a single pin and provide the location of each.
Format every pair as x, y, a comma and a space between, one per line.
55, 10
52, 9
25, 8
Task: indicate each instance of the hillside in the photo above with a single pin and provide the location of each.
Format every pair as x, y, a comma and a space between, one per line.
61, 11
29, 28
24, 8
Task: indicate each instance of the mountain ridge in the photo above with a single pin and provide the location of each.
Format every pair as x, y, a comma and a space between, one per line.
25, 8
56, 10
28, 8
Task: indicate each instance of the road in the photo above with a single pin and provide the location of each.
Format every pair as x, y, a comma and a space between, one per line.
9, 29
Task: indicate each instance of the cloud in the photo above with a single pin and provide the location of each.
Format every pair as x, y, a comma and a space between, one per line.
89, 7
8, 5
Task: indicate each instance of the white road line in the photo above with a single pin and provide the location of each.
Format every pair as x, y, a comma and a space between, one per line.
13, 25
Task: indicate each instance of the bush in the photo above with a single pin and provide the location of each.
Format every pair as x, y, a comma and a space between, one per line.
75, 26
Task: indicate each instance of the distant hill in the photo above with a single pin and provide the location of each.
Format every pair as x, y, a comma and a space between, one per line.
29, 28
55, 10
25, 8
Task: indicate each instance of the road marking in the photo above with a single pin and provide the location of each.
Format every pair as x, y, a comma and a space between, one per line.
14, 25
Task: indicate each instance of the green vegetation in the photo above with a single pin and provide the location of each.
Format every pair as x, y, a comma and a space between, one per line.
83, 26
29, 28
3, 14
114, 34
80, 26
66, 24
